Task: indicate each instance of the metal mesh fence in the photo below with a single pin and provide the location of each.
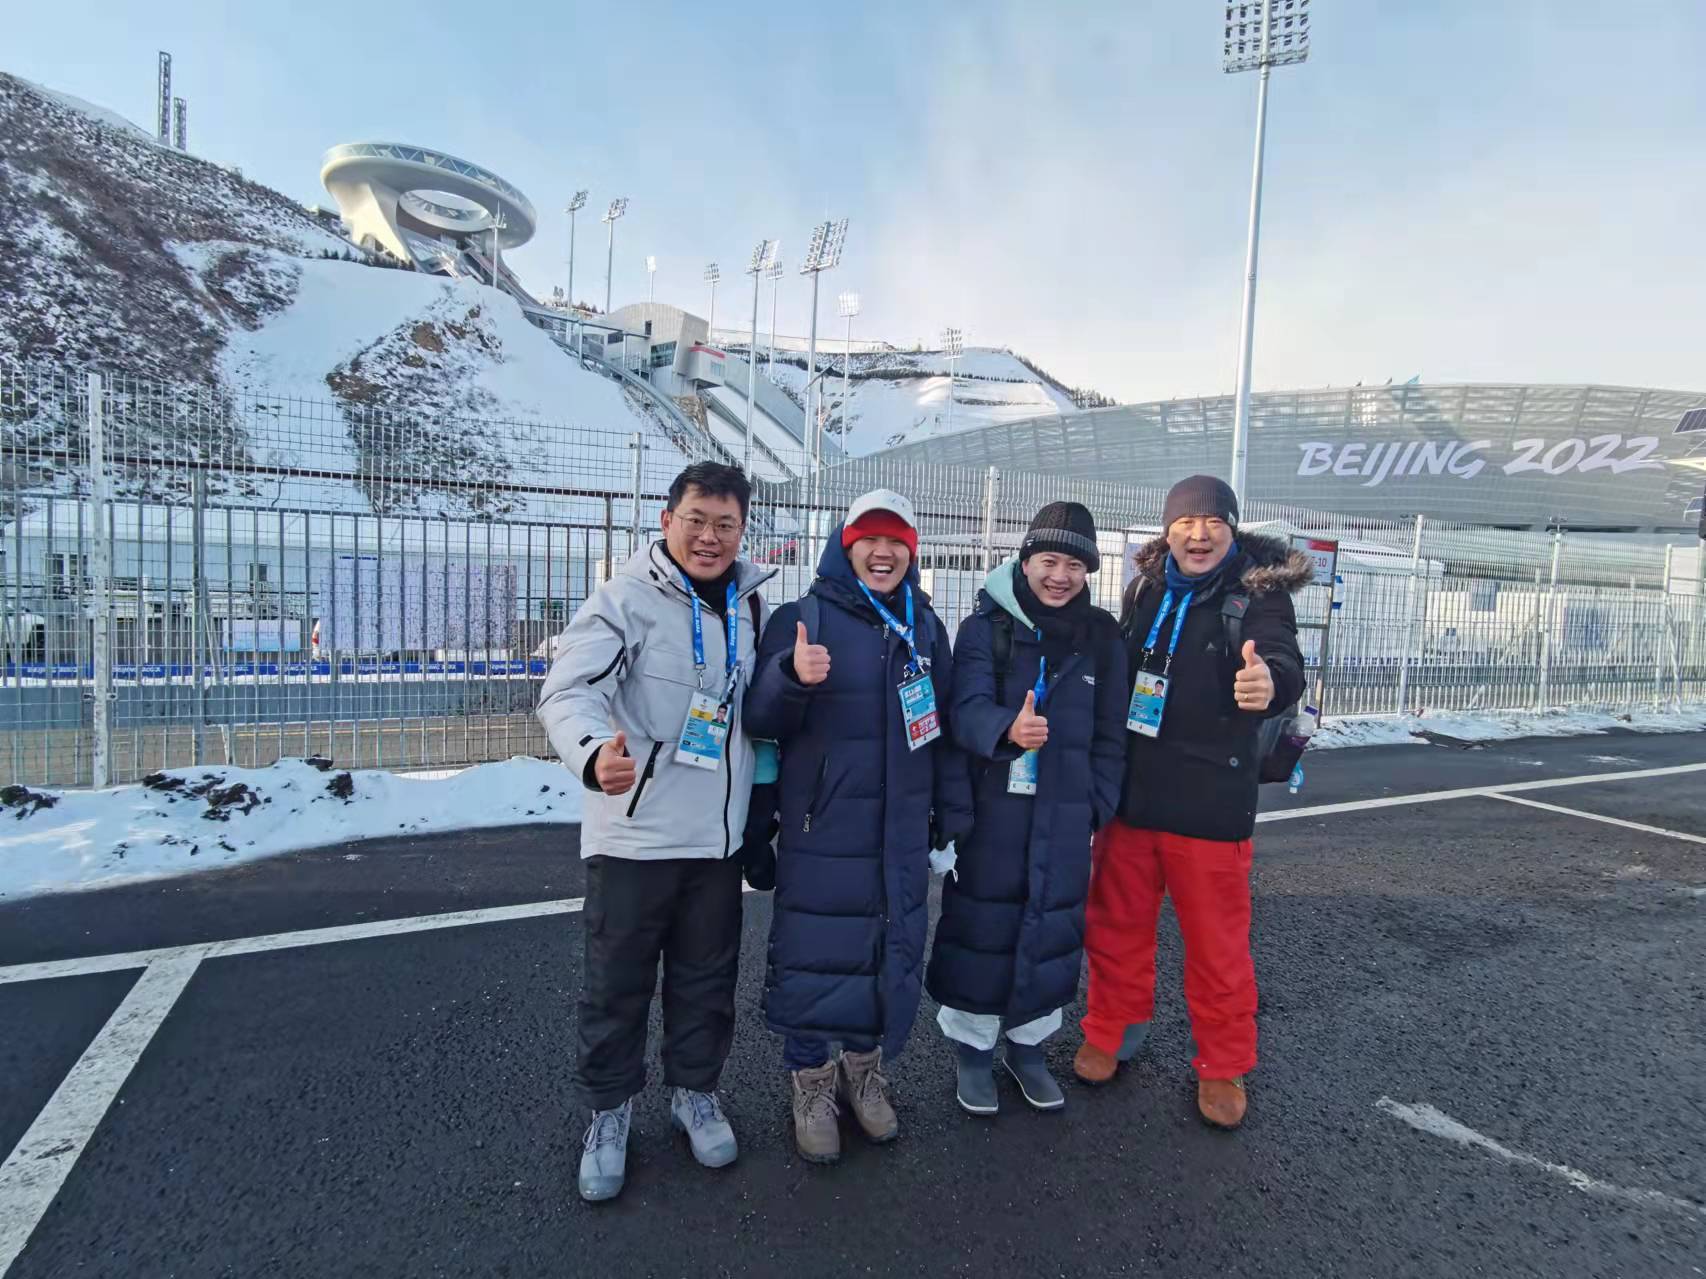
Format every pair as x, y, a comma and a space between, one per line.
191, 577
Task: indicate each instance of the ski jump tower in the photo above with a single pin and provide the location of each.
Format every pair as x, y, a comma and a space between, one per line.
408, 199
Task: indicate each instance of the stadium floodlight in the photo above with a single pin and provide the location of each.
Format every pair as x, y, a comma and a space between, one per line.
823, 254
651, 276
953, 347
773, 271
618, 207
713, 273
1260, 35
574, 206
848, 303
763, 255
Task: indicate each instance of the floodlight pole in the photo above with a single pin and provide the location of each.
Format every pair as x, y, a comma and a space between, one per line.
609, 262
775, 293
571, 257
811, 381
847, 377
761, 259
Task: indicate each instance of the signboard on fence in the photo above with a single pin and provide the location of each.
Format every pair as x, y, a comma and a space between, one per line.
374, 607
1323, 557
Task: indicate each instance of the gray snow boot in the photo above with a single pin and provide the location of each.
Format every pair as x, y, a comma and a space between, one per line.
604, 1153
1026, 1064
976, 1087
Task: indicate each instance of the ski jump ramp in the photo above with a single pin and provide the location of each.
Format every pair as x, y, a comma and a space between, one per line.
386, 190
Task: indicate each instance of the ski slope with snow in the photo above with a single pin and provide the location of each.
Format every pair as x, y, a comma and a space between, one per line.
901, 397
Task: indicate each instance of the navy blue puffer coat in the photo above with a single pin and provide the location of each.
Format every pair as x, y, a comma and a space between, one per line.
1011, 937
852, 859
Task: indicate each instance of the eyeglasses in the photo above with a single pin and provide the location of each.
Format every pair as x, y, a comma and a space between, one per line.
726, 530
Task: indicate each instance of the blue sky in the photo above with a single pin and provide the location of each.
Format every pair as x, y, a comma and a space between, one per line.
1485, 189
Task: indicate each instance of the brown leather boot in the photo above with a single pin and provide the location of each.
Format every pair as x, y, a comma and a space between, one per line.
817, 1135
1222, 1101
865, 1089
1092, 1065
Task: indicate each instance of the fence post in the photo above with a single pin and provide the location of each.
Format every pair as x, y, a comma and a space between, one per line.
1410, 630
609, 535
198, 610
638, 444
101, 500
1551, 613
1659, 642
991, 482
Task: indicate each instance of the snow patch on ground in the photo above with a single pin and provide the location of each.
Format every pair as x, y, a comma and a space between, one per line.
1493, 726
192, 819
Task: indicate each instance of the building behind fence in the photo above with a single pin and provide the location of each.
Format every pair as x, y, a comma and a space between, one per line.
191, 577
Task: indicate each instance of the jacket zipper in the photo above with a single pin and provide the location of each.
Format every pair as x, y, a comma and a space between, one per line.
817, 793
646, 776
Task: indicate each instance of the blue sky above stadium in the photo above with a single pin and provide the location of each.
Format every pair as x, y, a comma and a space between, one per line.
1464, 190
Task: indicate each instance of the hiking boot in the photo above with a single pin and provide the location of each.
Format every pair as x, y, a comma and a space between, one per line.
865, 1089
1222, 1101
817, 1134
700, 1116
1094, 1066
604, 1153
976, 1085
1025, 1063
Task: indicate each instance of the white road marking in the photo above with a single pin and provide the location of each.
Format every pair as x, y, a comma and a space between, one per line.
35, 1170
287, 941
1470, 792
1426, 1119
51, 968
1601, 817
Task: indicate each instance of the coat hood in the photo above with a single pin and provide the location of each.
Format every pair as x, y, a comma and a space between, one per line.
1266, 564
834, 566
998, 586
652, 564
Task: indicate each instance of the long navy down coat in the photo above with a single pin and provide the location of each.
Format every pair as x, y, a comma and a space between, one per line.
1011, 936
853, 856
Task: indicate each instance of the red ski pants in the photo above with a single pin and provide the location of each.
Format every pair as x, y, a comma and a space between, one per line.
1209, 881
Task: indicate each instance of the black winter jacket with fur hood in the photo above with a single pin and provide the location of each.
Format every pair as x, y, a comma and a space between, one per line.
1199, 777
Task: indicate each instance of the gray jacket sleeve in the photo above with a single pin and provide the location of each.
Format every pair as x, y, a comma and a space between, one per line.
575, 702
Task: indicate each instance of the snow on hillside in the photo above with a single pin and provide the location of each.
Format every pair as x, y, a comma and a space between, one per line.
899, 397
120, 254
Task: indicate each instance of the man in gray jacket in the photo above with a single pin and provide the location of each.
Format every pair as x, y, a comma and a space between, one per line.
642, 703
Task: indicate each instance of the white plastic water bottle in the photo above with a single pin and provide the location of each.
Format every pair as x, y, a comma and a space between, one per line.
1296, 782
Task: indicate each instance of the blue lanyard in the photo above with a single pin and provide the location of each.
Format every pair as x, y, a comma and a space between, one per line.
731, 618
1160, 620
914, 667
1041, 689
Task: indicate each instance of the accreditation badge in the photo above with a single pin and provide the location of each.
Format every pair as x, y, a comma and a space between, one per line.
918, 709
1148, 702
1022, 774
704, 733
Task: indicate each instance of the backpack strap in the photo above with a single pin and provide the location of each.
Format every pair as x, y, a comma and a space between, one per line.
757, 603
1129, 602
1001, 653
1232, 610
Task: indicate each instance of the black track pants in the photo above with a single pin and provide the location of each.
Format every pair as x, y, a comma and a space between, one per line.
686, 912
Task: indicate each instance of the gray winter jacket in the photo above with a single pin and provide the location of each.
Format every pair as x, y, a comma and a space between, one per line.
625, 663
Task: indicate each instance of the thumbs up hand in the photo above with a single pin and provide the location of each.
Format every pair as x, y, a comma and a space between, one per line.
1030, 730
811, 661
1253, 686
614, 770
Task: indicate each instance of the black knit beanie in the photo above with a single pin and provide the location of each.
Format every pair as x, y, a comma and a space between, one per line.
1066, 528
1200, 495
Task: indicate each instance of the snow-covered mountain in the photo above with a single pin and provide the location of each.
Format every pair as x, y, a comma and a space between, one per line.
897, 397
119, 254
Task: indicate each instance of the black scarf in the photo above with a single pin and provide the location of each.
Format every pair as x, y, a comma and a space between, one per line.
1063, 628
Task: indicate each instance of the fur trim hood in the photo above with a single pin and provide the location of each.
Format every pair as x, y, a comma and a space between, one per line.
1268, 565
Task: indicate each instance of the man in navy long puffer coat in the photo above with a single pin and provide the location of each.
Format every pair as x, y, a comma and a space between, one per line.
859, 809
1035, 665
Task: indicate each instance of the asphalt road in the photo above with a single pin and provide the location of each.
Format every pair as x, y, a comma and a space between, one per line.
397, 1105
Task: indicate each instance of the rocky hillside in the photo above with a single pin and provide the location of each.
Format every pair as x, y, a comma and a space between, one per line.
236, 327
